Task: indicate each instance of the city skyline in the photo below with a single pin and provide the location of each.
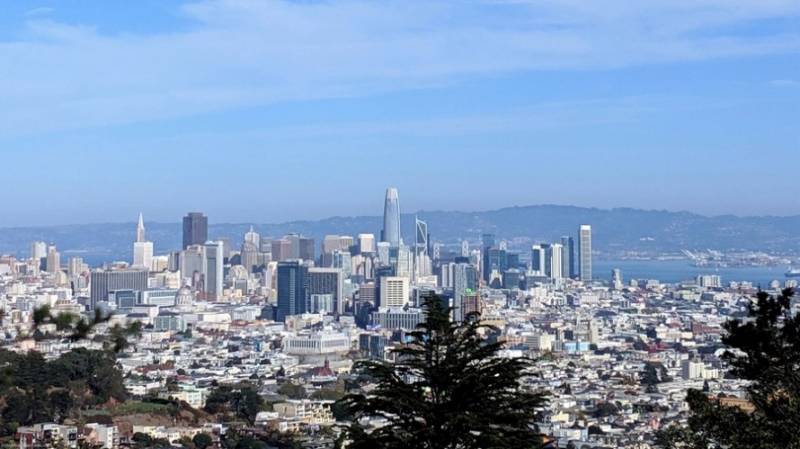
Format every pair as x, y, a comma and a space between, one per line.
516, 224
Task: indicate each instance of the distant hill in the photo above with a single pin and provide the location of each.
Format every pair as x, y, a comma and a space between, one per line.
615, 231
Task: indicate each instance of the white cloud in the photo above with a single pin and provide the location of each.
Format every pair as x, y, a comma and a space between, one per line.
240, 53
42, 11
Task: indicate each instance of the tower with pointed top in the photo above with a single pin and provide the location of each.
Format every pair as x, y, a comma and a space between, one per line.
391, 218
142, 249
140, 229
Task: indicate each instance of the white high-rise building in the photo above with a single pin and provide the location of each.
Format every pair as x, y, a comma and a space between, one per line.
53, 260
405, 261
38, 250
75, 267
616, 279
556, 266
383, 250
142, 249
394, 291
252, 237
192, 264
143, 254
585, 253
366, 243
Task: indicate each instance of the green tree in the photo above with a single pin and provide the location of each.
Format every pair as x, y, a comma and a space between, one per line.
35, 390
765, 350
202, 440
142, 440
292, 391
243, 402
447, 389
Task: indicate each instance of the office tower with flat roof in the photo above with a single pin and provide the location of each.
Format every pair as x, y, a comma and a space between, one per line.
568, 257
103, 282
553, 262
53, 259
465, 282
366, 243
327, 281
538, 259
38, 250
585, 253
75, 266
192, 264
384, 252
394, 291
487, 240
391, 218
292, 289
214, 274
195, 229
616, 279
281, 250
306, 249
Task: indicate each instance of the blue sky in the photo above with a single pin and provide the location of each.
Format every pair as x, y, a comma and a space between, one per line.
280, 110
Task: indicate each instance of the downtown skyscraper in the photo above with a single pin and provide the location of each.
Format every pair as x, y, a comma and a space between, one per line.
195, 229
585, 253
391, 218
142, 249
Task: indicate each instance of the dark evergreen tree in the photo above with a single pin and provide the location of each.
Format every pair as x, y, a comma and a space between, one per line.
448, 389
765, 349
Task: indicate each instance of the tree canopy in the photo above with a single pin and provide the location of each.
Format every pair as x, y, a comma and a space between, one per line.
765, 350
33, 389
448, 388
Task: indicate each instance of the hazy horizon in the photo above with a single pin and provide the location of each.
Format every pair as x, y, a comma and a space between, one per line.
378, 214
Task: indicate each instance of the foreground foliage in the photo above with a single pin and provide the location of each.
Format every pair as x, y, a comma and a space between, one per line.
765, 349
447, 389
34, 390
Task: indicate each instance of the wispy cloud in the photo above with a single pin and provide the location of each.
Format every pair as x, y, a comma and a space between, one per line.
37, 12
242, 53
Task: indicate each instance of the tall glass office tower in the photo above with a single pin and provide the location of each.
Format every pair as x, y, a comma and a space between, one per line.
391, 218
585, 253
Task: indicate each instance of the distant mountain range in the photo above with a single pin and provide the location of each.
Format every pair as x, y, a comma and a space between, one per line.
614, 231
